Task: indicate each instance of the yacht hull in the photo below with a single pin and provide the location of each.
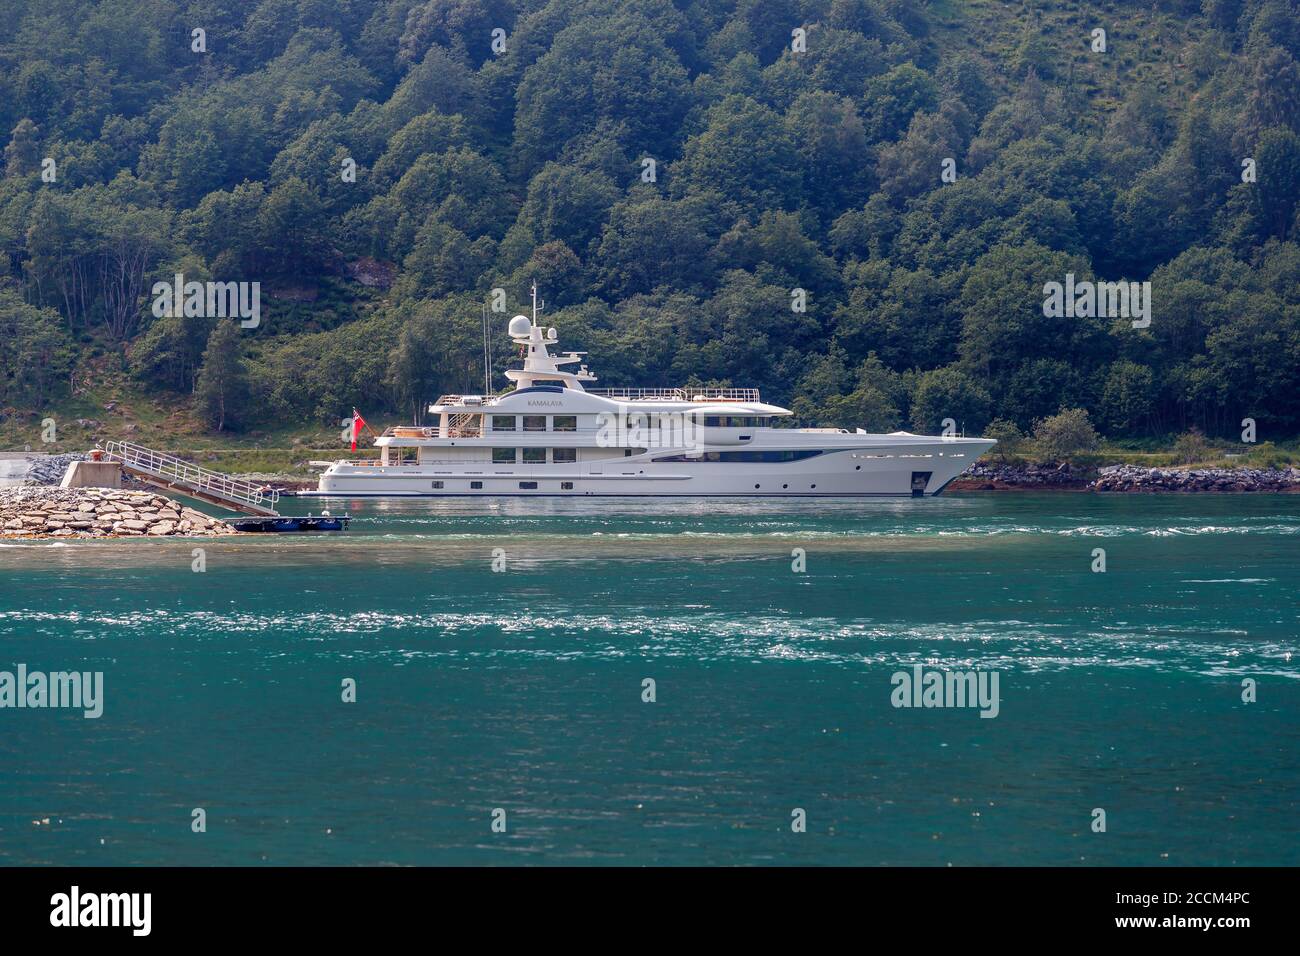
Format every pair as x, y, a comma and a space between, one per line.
920, 471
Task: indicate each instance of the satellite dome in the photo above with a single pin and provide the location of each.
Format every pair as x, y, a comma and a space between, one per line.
520, 327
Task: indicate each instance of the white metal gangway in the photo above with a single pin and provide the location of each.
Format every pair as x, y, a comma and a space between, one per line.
194, 481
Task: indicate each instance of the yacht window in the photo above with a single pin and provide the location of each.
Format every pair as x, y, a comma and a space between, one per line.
767, 457
559, 455
503, 456
566, 486
437, 484
503, 423
533, 456
475, 484
565, 423
528, 485
534, 423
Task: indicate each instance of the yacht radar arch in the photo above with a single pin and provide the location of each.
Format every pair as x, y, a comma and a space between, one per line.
539, 364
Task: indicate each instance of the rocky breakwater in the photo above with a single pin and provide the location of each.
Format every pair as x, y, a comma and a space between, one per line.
99, 513
1133, 478
984, 476
49, 469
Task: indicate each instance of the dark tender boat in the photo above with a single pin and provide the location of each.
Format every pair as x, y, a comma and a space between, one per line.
282, 523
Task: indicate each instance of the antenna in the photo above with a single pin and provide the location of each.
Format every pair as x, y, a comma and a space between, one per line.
538, 304
487, 354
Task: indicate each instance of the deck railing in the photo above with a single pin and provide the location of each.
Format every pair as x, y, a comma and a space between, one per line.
679, 394
687, 394
186, 474
460, 400
411, 431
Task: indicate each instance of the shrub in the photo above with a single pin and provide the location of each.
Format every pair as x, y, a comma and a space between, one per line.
1065, 435
1192, 447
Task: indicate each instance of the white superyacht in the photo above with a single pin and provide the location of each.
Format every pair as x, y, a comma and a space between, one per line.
552, 435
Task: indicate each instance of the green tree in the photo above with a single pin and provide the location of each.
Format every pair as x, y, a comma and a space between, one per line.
291, 228
892, 100
221, 392
949, 393
650, 241
1010, 439
1277, 192
36, 354
22, 154
744, 154
599, 68
1128, 397
1003, 322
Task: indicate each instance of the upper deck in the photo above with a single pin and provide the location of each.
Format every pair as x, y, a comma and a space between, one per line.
685, 395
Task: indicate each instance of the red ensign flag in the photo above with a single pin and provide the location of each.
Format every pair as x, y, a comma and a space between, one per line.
357, 424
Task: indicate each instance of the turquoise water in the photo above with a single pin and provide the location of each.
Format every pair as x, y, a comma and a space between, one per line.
522, 689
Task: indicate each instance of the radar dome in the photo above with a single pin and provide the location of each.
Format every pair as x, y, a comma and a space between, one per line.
520, 327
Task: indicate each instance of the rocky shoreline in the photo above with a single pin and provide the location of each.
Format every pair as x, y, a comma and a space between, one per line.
987, 477
1127, 479
1132, 478
43, 512
49, 469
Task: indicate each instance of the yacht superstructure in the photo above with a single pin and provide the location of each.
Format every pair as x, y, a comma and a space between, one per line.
553, 435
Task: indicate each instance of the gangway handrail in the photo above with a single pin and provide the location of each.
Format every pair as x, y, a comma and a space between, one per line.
187, 474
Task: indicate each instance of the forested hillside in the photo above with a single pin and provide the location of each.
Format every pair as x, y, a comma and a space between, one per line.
668, 172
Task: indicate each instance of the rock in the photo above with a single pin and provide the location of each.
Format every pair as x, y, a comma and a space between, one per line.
1026, 476
1130, 478
36, 511
49, 469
